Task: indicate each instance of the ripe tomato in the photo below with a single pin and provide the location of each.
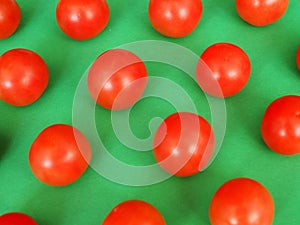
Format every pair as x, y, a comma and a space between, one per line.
134, 212
15, 218
59, 155
23, 77
242, 201
175, 18
280, 126
117, 79
230, 69
298, 58
183, 144
82, 20
10, 17
261, 12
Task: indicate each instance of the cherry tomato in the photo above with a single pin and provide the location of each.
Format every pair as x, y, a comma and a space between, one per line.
59, 155
15, 218
175, 18
134, 212
261, 12
183, 144
10, 17
23, 77
242, 201
82, 20
117, 79
298, 58
280, 126
230, 69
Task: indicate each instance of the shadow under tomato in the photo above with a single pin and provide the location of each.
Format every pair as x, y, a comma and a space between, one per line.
4, 143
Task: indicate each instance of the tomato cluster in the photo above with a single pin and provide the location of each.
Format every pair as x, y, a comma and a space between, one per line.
184, 142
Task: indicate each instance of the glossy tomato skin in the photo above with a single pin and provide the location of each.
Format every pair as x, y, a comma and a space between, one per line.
281, 125
59, 155
242, 201
261, 12
82, 20
10, 17
134, 212
16, 218
230, 69
298, 58
183, 144
117, 79
24, 77
175, 18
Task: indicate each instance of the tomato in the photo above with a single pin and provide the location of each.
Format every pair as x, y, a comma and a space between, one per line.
230, 69
59, 155
183, 144
261, 12
175, 18
134, 212
242, 201
15, 218
23, 77
82, 20
280, 126
298, 58
117, 79
10, 17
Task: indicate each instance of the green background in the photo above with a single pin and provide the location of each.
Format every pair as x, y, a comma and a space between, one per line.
272, 51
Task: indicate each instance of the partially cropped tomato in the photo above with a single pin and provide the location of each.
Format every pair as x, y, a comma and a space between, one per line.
82, 20
16, 218
59, 155
23, 77
242, 201
261, 12
230, 70
134, 212
117, 79
280, 126
175, 18
298, 58
10, 17
183, 144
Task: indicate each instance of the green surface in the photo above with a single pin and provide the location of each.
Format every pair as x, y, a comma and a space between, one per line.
272, 52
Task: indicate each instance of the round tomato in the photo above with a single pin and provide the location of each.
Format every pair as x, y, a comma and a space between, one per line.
117, 79
230, 70
82, 20
242, 201
59, 155
134, 212
10, 17
298, 58
261, 12
183, 144
23, 77
280, 126
175, 18
15, 218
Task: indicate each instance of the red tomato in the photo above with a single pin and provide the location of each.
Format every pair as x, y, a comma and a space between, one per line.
117, 79
134, 212
23, 77
15, 218
280, 126
298, 58
10, 17
59, 155
175, 18
183, 144
261, 12
82, 20
242, 201
230, 69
